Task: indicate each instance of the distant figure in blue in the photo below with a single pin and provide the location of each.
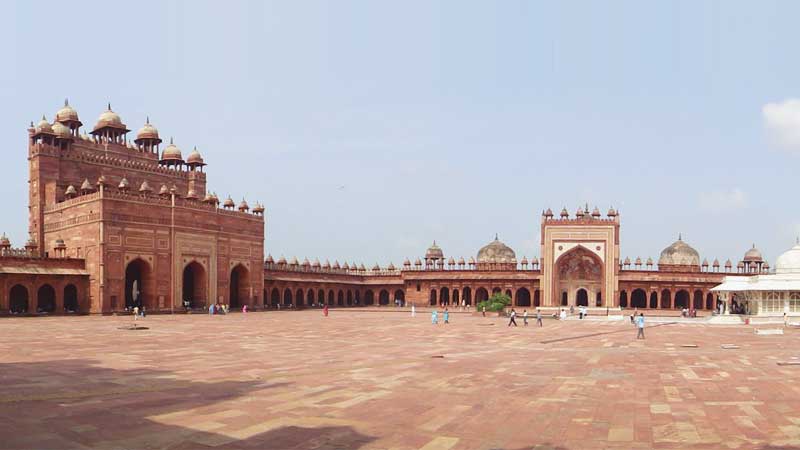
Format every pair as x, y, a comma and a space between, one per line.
446, 316
211, 309
435, 317
640, 326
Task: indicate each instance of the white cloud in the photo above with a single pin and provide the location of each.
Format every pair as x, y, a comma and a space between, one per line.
782, 121
723, 200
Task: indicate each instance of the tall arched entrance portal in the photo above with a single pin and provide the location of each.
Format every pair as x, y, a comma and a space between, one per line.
139, 284
194, 285
239, 286
579, 278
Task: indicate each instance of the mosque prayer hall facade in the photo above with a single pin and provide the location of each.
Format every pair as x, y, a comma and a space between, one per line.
579, 265
116, 224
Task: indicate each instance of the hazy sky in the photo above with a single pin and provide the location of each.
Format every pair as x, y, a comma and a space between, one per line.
368, 129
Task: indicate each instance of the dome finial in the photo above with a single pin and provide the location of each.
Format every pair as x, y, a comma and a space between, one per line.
147, 120
170, 140
496, 237
66, 102
109, 106
680, 238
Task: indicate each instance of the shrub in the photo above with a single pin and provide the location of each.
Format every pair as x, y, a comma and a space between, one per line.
497, 302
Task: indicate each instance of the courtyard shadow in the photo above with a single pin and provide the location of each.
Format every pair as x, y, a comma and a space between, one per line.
66, 404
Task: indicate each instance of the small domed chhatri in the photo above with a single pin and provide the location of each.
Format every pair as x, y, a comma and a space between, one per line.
109, 118
44, 127
171, 155
67, 114
195, 160
753, 255
434, 252
679, 254
147, 133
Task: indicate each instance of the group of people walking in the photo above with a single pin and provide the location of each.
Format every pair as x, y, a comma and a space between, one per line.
512, 317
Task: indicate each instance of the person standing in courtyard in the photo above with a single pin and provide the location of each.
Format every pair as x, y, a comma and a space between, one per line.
434, 316
538, 317
446, 316
484, 311
640, 326
512, 318
525, 317
325, 310
413, 310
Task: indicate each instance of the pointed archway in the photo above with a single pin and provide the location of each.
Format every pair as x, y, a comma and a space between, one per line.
578, 271
139, 285
239, 286
193, 285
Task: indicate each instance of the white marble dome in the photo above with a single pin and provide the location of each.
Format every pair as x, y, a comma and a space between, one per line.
789, 261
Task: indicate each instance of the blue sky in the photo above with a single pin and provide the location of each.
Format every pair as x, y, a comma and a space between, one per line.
368, 129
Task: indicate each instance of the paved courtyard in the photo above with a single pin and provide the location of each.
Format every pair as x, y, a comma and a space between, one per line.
381, 380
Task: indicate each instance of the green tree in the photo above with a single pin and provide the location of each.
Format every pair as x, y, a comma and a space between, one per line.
497, 302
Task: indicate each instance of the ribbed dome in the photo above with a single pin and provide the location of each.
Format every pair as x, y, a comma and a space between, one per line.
495, 251
67, 113
434, 252
753, 255
148, 131
172, 153
789, 261
679, 254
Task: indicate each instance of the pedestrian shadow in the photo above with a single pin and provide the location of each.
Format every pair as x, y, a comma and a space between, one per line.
77, 403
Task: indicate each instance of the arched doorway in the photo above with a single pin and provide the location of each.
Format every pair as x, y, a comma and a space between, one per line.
357, 300
564, 299
445, 297
383, 297
523, 297
275, 297
666, 299
698, 300
456, 297
70, 298
401, 296
349, 298
432, 298
239, 286
18, 299
654, 300
681, 299
310, 298
287, 297
331, 297
579, 271
537, 299
496, 290
46, 299
639, 298
709, 301
481, 295
340, 298
300, 300
194, 285
321, 297
138, 284
623, 299
582, 297
369, 297
467, 295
